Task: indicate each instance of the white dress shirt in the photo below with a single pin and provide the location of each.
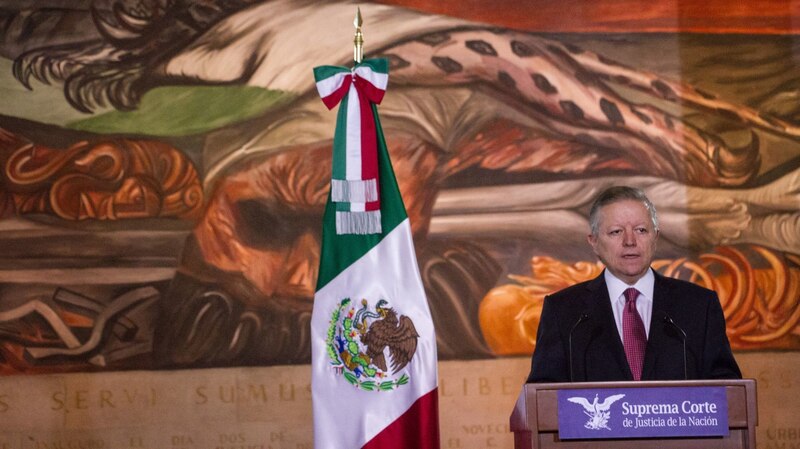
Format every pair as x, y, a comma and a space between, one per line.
644, 303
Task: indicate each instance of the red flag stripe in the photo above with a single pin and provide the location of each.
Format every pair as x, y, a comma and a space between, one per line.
417, 428
369, 138
373, 93
334, 98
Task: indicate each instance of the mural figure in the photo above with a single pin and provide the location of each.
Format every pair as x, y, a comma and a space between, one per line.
194, 160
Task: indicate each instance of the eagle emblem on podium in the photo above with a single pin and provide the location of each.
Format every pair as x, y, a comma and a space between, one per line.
598, 412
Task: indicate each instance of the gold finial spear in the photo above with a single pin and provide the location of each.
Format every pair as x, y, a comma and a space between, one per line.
358, 40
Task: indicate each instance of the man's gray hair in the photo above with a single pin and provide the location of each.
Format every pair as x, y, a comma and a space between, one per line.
615, 194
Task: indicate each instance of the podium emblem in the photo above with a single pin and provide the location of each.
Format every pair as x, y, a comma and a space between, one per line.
598, 412
642, 412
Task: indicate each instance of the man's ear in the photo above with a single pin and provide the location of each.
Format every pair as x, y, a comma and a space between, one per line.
592, 239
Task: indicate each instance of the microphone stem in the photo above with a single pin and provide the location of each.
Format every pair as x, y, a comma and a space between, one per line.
571, 331
685, 371
668, 319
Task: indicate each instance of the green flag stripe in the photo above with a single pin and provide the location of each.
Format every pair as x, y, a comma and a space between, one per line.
380, 65
340, 142
340, 251
327, 71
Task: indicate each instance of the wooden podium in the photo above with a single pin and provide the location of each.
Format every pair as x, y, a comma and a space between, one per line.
535, 418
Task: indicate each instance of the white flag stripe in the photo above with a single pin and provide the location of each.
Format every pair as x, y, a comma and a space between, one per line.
377, 79
353, 136
330, 84
358, 207
392, 274
364, 222
351, 191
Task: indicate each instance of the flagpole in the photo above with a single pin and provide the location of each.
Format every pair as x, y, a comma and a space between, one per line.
368, 278
358, 40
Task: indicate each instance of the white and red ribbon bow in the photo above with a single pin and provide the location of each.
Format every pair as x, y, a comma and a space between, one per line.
354, 180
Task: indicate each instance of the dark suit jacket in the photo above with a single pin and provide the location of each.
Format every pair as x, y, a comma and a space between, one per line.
597, 351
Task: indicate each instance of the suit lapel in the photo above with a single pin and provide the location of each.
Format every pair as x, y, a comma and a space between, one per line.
601, 311
656, 336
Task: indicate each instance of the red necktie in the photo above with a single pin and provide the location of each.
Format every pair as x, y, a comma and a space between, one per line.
633, 335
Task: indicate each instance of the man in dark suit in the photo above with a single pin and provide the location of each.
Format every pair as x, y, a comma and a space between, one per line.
630, 323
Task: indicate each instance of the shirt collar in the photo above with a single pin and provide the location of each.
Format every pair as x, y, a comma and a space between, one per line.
645, 285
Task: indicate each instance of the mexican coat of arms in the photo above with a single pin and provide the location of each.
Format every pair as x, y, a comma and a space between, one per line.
369, 347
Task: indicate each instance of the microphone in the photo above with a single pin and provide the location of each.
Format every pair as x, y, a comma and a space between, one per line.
670, 321
581, 319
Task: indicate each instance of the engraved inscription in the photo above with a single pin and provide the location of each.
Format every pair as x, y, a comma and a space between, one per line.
250, 393
182, 442
230, 394
492, 434
478, 386
774, 378
81, 399
783, 437
78, 443
239, 440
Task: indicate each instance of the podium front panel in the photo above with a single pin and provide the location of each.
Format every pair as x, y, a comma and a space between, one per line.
535, 417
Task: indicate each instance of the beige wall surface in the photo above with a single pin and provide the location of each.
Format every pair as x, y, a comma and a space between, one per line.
270, 408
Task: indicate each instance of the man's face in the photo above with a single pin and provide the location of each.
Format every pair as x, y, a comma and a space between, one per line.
625, 240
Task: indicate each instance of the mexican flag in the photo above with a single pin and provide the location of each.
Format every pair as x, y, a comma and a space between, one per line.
373, 350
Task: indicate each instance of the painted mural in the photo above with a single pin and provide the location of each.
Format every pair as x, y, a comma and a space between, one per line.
165, 167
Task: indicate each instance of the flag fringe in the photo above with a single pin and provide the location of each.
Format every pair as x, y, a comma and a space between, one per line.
354, 191
366, 222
